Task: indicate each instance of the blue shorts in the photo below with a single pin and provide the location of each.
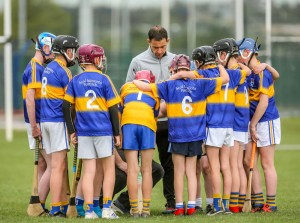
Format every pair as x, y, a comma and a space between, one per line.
137, 137
187, 149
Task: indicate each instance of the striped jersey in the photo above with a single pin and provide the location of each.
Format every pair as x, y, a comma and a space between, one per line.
55, 79
92, 93
242, 111
220, 106
186, 106
32, 80
138, 107
262, 83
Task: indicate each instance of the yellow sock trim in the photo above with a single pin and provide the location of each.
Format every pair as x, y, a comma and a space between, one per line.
216, 195
106, 199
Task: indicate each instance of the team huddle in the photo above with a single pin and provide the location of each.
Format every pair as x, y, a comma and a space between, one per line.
213, 114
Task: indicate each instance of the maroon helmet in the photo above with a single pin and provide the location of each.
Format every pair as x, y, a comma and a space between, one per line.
145, 75
88, 52
180, 61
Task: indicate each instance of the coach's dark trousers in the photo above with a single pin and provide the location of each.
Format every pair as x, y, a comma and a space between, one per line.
166, 162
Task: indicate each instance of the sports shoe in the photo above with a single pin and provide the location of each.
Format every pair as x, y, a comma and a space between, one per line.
190, 211
145, 214
209, 207
268, 208
91, 215
80, 211
118, 207
179, 212
215, 212
199, 209
58, 214
98, 211
234, 209
240, 209
109, 213
227, 211
169, 209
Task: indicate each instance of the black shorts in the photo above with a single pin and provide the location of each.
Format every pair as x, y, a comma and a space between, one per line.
187, 149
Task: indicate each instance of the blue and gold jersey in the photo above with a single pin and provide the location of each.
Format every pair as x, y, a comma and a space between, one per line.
138, 107
242, 111
32, 80
92, 93
186, 106
55, 79
262, 83
220, 106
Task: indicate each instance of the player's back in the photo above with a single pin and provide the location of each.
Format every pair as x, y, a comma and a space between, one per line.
32, 80
262, 83
138, 107
93, 94
220, 106
55, 79
186, 108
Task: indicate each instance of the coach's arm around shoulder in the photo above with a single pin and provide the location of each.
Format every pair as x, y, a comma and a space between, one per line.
67, 111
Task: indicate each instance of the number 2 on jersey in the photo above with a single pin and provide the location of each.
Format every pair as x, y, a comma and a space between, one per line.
92, 99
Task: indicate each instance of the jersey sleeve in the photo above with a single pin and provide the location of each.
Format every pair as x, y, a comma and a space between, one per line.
34, 79
111, 95
211, 85
237, 76
266, 81
198, 73
66, 79
70, 94
160, 90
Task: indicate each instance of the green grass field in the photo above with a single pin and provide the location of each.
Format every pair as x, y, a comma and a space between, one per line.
16, 168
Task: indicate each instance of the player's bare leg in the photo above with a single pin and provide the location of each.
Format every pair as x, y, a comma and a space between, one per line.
198, 192
190, 172
88, 176
235, 186
226, 172
179, 173
98, 181
146, 170
243, 177
206, 170
44, 181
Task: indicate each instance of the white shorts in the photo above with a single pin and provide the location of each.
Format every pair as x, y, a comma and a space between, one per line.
54, 136
268, 133
240, 137
219, 136
93, 147
31, 140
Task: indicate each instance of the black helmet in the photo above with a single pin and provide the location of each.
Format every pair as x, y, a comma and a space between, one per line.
228, 45
62, 43
204, 55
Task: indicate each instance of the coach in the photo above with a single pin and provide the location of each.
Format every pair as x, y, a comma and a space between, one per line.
157, 59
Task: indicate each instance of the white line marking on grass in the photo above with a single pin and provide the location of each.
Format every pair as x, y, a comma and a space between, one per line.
288, 147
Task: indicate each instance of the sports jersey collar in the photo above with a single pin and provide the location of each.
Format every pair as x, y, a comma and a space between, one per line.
234, 67
210, 66
97, 71
35, 60
63, 63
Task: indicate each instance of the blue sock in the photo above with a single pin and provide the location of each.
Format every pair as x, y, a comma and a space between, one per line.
55, 207
89, 208
96, 201
191, 204
179, 205
106, 202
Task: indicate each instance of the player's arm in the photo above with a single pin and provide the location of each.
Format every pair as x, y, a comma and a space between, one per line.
223, 74
162, 110
143, 86
30, 105
245, 68
262, 66
119, 162
259, 112
184, 74
114, 118
68, 111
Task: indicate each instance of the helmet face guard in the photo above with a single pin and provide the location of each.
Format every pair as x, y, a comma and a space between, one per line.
145, 75
227, 45
62, 43
45, 38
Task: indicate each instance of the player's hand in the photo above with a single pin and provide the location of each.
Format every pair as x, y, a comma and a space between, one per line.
122, 166
259, 68
253, 133
73, 139
117, 141
36, 132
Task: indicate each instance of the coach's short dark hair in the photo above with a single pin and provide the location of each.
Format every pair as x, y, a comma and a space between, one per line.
157, 33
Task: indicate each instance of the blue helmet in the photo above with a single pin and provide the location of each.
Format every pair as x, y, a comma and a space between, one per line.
44, 38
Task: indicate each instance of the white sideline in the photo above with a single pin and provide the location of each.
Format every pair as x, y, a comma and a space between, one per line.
288, 147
